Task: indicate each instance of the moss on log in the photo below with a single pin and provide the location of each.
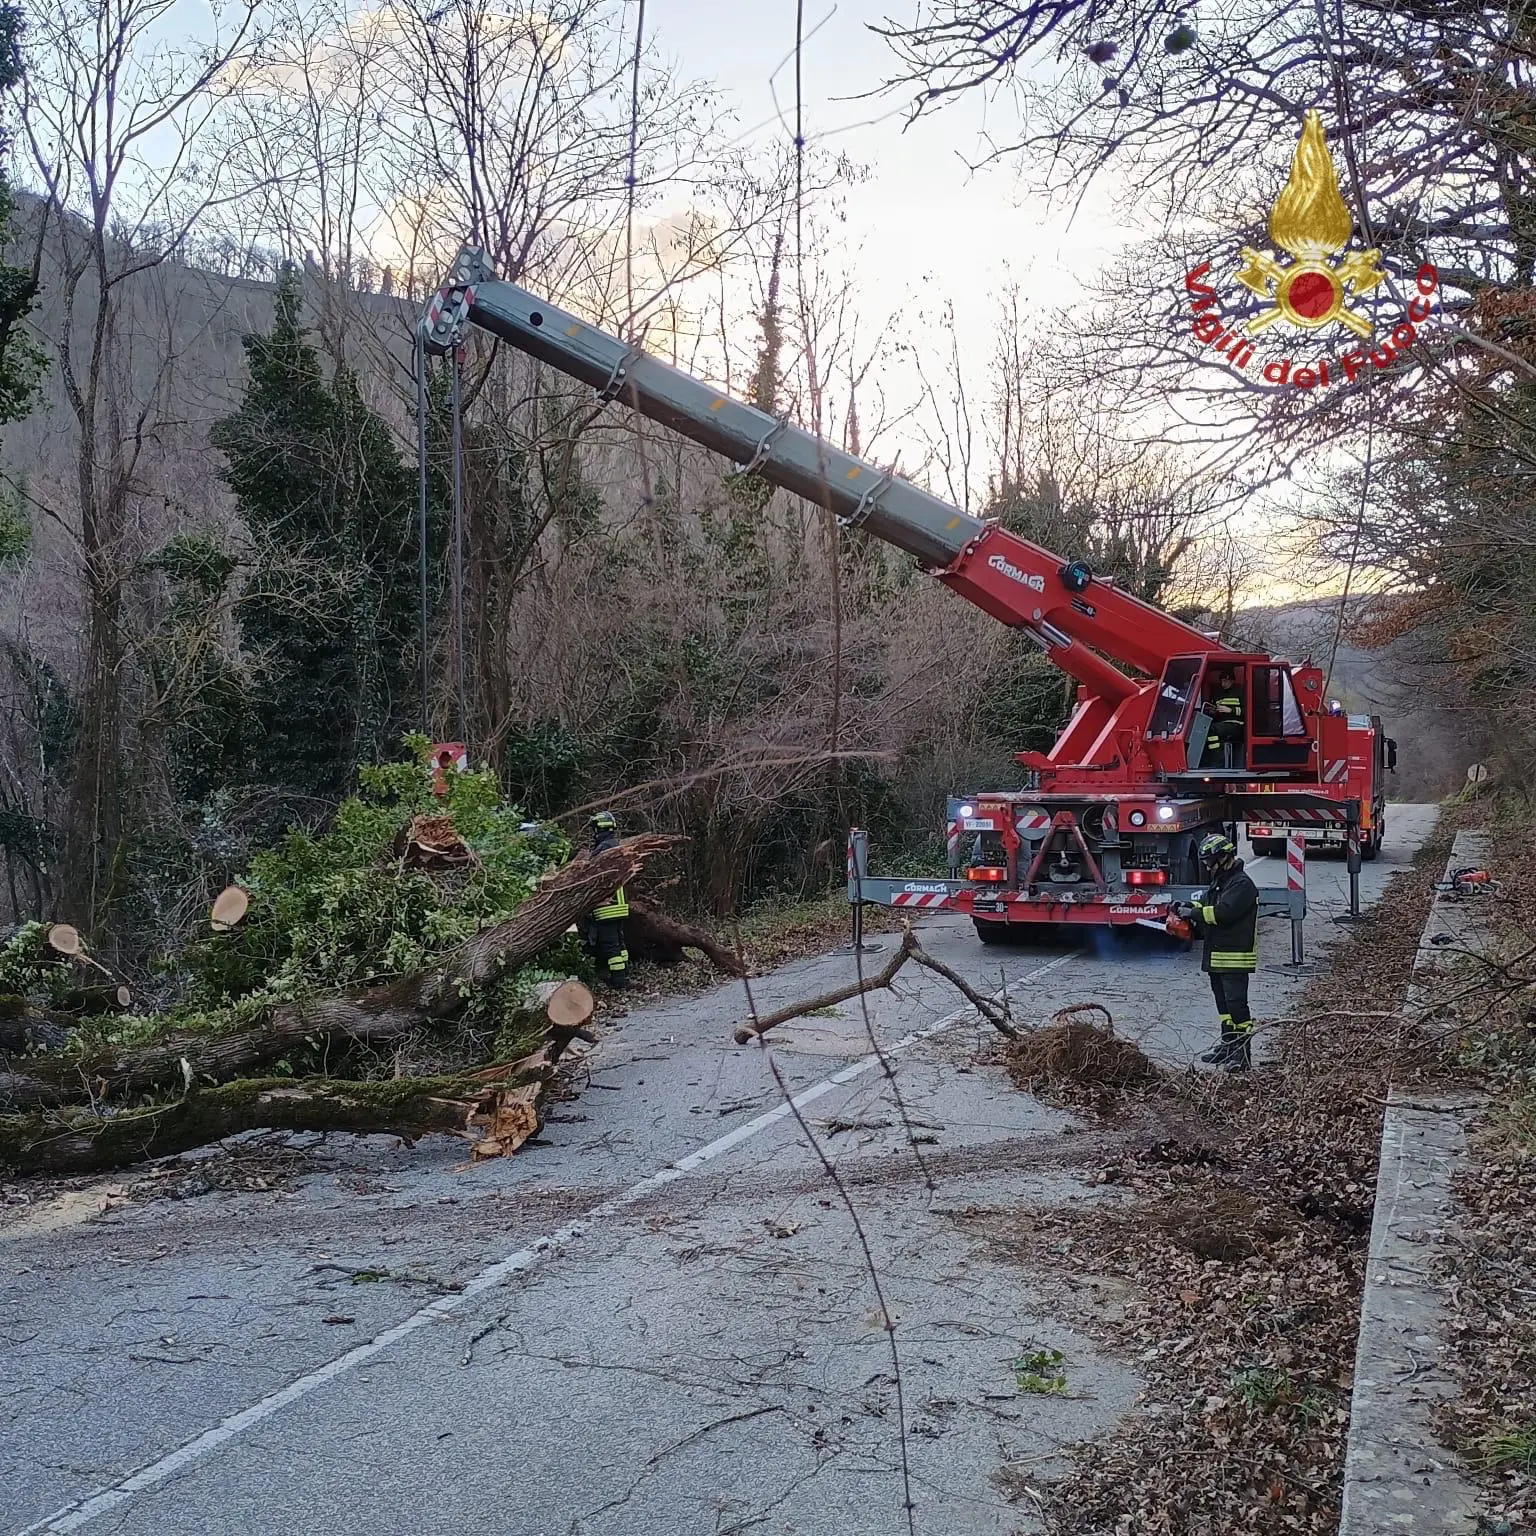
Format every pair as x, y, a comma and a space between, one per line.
84, 1141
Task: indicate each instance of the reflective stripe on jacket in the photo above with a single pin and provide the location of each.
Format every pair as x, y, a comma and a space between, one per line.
1232, 702
1227, 918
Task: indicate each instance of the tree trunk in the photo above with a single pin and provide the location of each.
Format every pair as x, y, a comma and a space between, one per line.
653, 935
82, 1141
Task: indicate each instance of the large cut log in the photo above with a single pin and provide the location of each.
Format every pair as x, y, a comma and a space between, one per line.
497, 1108
653, 935
372, 1014
83, 1141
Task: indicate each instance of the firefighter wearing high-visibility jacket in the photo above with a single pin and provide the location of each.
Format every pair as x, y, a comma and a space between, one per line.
1226, 736
1226, 917
605, 927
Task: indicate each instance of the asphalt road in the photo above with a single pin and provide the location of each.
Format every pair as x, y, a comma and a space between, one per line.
660, 1323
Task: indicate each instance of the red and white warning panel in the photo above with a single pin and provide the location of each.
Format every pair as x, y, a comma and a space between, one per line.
1296, 862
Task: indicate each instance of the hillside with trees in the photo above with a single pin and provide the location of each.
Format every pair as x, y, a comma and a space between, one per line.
212, 596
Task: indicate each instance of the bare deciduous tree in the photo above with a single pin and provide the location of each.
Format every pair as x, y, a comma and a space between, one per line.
116, 119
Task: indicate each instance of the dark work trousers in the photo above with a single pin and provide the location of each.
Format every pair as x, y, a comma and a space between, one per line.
1230, 989
608, 944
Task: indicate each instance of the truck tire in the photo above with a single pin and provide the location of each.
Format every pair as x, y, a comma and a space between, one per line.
991, 933
1371, 846
1268, 847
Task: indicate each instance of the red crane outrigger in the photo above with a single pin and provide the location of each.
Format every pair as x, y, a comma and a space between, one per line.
1107, 831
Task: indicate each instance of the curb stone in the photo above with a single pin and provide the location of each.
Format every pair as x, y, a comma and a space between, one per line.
1398, 1478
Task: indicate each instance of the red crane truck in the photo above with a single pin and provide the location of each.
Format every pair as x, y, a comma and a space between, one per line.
1107, 832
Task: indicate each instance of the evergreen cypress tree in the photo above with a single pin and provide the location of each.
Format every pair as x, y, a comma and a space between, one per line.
328, 615
20, 361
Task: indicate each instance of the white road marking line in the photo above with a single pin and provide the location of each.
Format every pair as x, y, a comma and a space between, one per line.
83, 1511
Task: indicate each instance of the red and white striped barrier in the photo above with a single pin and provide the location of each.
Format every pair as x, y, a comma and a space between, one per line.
1296, 861
919, 899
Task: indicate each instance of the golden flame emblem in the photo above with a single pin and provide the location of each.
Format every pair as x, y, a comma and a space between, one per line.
1311, 221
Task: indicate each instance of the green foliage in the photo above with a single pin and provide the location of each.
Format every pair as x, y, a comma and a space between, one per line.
543, 765
28, 968
328, 613
15, 526
204, 704
1511, 1449
21, 363
336, 911
1041, 1372
195, 560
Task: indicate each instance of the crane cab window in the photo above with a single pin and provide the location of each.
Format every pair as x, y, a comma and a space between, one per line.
1279, 739
1173, 696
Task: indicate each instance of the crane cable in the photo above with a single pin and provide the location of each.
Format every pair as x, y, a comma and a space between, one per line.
631, 181
421, 528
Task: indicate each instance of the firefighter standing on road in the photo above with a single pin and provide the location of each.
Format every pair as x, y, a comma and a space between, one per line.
1227, 918
605, 928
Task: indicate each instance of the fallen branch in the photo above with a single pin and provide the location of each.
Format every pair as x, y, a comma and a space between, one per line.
373, 1014
909, 949
996, 1015
761, 1025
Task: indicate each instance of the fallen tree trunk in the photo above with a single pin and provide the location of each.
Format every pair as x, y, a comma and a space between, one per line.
84, 1141
495, 1107
26, 1027
372, 1014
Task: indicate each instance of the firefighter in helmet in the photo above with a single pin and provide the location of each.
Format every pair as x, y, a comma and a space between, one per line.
1226, 917
1227, 718
605, 927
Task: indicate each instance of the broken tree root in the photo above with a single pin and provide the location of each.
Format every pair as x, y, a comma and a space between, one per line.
909, 949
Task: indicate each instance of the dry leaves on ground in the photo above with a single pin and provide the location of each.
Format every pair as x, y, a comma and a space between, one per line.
1240, 1252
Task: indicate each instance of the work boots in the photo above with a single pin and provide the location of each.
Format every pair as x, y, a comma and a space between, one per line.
1240, 1059
1220, 1055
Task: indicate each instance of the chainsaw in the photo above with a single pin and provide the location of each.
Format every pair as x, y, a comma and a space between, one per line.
1177, 924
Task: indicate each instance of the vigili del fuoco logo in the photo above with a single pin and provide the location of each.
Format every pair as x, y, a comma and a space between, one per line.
1315, 293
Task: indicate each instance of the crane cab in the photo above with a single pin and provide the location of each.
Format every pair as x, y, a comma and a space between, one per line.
1234, 716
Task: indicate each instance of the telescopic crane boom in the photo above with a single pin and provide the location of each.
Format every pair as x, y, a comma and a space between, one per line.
1015, 581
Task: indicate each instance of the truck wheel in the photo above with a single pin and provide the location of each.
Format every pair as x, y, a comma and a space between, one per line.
991, 933
1269, 847
1371, 846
